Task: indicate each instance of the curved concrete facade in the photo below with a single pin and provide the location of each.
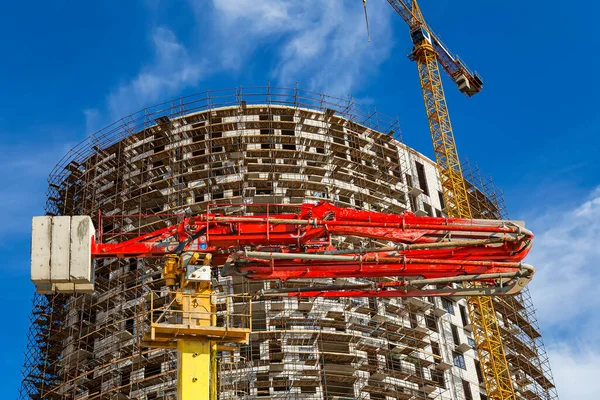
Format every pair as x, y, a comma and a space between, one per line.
176, 161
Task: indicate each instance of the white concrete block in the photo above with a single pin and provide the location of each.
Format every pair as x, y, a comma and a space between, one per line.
41, 239
59, 249
82, 231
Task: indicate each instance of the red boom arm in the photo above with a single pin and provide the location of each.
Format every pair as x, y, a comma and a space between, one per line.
416, 251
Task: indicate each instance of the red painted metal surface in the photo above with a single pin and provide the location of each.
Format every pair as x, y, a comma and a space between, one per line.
301, 245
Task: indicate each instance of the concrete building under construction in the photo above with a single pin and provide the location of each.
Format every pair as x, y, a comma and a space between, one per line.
228, 149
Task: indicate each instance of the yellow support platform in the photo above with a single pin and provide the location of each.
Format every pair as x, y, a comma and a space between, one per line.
189, 324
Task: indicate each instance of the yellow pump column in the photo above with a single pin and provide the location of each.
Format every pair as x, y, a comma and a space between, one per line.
196, 357
193, 372
189, 324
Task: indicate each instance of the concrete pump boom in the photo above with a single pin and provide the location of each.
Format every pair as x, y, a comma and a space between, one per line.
412, 256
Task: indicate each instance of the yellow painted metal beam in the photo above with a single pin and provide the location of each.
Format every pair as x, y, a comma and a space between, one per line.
193, 369
190, 326
488, 342
486, 331
442, 136
194, 356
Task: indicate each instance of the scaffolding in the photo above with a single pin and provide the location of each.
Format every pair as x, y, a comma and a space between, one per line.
227, 149
353, 348
523, 344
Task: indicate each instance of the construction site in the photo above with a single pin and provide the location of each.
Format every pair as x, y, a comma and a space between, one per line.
258, 146
276, 243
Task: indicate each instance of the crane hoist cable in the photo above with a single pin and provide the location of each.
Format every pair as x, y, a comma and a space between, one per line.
367, 19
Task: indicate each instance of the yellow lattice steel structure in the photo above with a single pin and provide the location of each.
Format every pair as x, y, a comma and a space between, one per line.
498, 383
426, 52
453, 184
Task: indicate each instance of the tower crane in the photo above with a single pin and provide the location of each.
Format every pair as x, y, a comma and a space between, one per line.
429, 52
419, 256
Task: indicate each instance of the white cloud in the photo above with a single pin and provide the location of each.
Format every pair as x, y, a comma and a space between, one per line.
93, 118
171, 70
576, 372
590, 208
566, 255
259, 16
320, 44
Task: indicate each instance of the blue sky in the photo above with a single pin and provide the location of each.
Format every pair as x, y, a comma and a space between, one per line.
70, 68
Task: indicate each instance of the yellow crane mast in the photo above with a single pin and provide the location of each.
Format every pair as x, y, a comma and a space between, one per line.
427, 51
